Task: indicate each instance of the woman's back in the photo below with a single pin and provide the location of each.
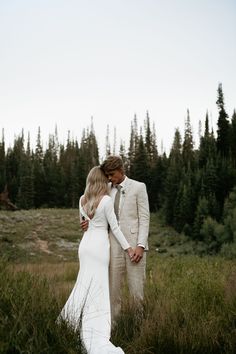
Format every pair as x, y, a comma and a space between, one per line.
99, 219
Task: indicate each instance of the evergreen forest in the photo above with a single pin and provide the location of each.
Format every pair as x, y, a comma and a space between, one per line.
194, 189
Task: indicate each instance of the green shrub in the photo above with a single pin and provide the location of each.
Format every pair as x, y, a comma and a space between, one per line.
228, 250
213, 234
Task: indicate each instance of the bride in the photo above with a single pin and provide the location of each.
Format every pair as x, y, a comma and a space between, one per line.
88, 306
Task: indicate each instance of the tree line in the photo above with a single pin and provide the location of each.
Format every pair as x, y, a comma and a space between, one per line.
193, 188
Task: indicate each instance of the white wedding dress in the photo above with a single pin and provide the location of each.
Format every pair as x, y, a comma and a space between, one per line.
88, 306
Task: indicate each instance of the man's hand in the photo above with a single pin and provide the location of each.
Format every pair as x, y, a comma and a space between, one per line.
138, 254
84, 225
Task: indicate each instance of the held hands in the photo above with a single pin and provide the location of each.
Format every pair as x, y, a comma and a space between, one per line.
136, 254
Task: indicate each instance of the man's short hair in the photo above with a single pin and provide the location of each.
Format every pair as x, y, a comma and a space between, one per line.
112, 163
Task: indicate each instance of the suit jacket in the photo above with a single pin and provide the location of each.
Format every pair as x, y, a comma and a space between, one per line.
134, 216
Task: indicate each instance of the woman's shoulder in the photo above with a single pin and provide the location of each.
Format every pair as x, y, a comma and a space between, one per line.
82, 200
105, 202
107, 198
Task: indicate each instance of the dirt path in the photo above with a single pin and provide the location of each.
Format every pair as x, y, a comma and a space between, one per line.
43, 245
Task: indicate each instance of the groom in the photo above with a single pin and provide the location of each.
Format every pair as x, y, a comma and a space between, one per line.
132, 209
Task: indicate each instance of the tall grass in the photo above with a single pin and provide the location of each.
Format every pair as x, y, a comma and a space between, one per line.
189, 307
28, 311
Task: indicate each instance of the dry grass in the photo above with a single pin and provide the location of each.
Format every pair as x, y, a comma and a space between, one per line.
45, 235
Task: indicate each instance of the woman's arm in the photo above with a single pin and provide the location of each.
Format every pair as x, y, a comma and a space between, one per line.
116, 231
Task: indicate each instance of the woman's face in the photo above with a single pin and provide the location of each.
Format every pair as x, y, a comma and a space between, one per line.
116, 176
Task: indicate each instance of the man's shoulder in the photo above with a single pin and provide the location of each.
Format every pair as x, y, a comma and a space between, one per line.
132, 181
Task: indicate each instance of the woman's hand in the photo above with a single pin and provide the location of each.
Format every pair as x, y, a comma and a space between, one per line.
130, 252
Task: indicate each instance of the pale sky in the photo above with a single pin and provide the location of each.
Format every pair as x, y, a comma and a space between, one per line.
63, 61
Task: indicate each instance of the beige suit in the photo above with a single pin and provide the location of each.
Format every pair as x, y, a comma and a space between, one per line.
134, 220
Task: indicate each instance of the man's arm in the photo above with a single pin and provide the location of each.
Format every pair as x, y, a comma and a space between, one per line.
144, 219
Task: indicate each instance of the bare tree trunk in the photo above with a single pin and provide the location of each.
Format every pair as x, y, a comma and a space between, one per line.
5, 201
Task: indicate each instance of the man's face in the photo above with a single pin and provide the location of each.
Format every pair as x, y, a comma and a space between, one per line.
115, 176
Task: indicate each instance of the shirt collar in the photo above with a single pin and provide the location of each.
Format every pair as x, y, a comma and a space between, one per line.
123, 183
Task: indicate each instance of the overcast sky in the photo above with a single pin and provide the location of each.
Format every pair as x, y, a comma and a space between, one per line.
64, 61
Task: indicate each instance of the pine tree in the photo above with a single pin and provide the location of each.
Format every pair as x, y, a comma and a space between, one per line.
201, 213
209, 178
53, 195
114, 142
89, 148
3, 180
13, 163
157, 183
188, 154
233, 138
68, 162
226, 179
123, 155
174, 176
93, 147
207, 148
108, 145
229, 216
140, 168
25, 194
39, 173
223, 126
133, 145
184, 204
150, 141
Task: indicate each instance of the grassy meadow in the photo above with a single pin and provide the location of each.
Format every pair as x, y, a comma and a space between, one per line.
189, 305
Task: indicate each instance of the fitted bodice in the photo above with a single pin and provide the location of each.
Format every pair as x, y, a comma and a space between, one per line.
104, 216
99, 220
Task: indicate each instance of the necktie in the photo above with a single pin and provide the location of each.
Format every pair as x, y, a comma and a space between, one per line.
117, 201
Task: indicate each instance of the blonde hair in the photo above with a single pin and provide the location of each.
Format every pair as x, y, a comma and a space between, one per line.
96, 187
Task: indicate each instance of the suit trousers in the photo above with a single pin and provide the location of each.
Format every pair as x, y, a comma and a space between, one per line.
120, 269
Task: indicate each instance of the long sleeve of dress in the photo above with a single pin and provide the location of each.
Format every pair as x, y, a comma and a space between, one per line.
112, 221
